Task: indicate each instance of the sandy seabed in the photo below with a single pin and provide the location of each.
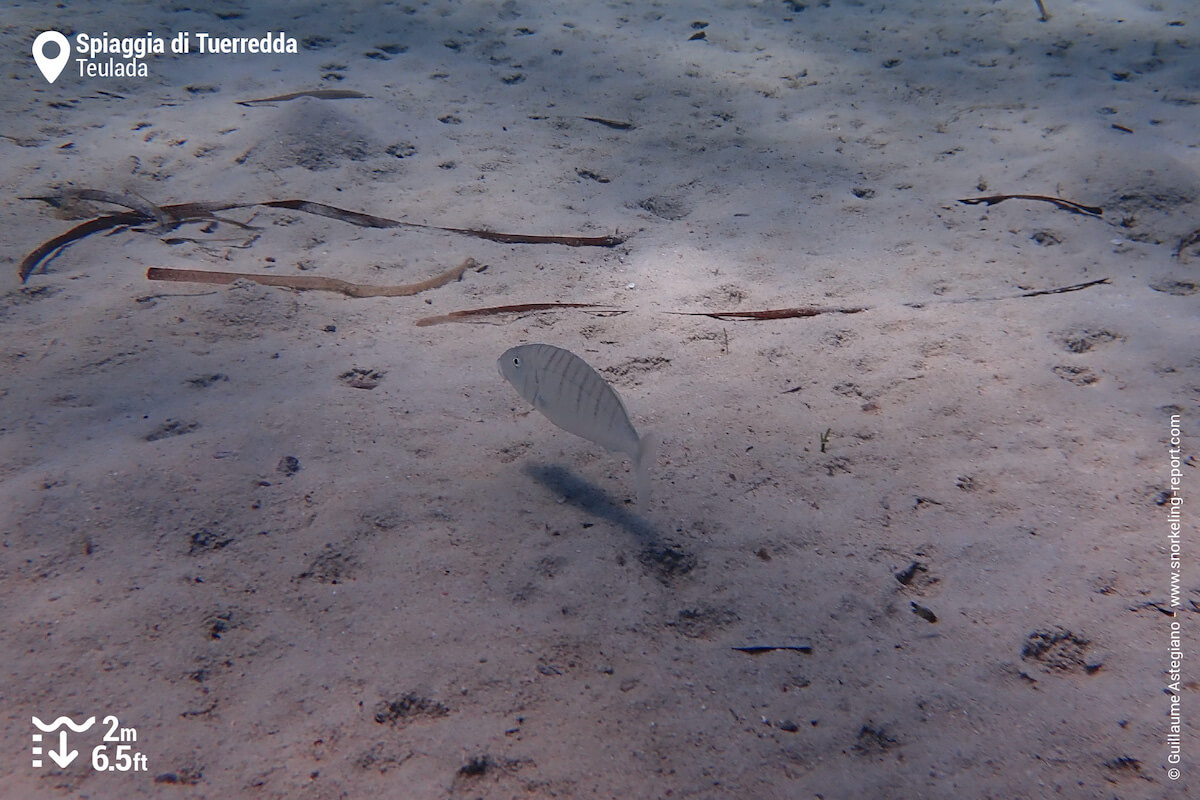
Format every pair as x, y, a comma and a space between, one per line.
308, 549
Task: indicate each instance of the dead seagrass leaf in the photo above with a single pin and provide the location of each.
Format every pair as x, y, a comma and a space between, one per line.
168, 217
311, 282
319, 94
467, 315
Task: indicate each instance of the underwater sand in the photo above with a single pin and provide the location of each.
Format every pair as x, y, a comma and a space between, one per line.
310, 550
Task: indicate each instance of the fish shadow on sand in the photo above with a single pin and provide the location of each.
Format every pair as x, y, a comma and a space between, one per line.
589, 498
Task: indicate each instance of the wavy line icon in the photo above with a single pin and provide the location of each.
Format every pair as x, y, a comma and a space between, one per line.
61, 721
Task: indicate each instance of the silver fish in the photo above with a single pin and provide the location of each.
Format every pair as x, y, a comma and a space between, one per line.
574, 397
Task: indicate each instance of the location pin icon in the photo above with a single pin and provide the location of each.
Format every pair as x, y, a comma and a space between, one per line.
51, 67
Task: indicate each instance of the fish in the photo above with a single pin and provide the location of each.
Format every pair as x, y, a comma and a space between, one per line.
572, 395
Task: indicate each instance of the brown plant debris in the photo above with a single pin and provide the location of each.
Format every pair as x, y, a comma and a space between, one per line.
775, 313
311, 282
469, 314
320, 94
1034, 293
616, 125
756, 649
1067, 205
69, 200
1064, 289
813, 311
171, 216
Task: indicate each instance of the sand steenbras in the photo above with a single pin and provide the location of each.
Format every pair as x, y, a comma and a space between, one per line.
574, 397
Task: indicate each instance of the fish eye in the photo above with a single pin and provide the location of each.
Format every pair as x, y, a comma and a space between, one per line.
516, 361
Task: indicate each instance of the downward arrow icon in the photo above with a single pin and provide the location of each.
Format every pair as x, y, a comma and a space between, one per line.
61, 756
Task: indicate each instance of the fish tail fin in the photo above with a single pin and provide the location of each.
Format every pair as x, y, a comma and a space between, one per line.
647, 445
